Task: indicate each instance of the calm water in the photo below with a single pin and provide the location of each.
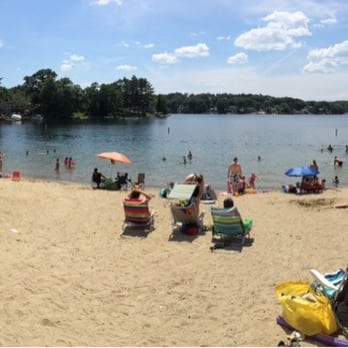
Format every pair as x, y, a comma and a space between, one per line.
281, 141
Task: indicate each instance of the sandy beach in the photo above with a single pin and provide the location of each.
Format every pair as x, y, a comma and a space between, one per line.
69, 278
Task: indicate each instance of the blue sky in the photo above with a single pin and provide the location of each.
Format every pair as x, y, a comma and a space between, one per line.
281, 48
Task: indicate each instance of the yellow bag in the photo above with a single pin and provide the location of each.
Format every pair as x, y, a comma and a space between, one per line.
306, 309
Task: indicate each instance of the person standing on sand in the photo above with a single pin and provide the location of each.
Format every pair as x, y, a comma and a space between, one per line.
234, 173
251, 180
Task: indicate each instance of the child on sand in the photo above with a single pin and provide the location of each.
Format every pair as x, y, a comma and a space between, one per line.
251, 181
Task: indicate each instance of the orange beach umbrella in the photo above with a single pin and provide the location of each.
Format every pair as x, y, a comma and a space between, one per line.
114, 157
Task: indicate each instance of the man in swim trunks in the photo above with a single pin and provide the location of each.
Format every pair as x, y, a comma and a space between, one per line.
234, 173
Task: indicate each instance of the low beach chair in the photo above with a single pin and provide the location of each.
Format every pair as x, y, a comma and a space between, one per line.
334, 286
122, 181
137, 216
185, 215
229, 226
141, 180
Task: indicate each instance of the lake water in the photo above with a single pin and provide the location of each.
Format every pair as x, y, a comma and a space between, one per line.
282, 141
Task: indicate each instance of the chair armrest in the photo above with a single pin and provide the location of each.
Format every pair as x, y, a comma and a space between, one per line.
322, 280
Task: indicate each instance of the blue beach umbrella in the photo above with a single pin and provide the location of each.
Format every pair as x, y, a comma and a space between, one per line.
302, 171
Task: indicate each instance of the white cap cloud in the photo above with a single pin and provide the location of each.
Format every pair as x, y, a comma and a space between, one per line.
199, 50
239, 58
69, 63
106, 2
329, 59
164, 58
137, 44
126, 67
280, 32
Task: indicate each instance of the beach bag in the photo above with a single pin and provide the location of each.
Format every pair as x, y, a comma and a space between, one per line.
190, 229
247, 223
307, 310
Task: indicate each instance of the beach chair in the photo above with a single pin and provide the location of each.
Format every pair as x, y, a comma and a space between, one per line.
229, 226
122, 180
334, 286
185, 216
141, 180
137, 216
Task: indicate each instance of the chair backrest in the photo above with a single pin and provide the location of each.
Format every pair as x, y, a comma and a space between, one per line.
184, 214
136, 212
227, 220
141, 178
122, 180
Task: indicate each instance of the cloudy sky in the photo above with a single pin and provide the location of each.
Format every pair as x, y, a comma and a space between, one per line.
295, 48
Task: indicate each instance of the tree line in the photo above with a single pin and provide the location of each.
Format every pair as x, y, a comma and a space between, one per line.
42, 93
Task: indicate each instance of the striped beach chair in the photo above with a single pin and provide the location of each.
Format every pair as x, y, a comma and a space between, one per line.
228, 224
137, 216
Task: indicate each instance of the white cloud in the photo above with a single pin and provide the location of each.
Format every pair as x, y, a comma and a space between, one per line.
137, 44
239, 58
325, 22
77, 58
164, 58
66, 66
199, 50
328, 21
71, 61
280, 32
220, 38
323, 66
126, 67
327, 60
106, 2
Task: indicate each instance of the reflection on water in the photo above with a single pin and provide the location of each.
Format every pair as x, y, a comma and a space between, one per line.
280, 141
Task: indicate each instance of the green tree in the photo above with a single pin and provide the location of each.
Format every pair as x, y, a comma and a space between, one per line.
161, 105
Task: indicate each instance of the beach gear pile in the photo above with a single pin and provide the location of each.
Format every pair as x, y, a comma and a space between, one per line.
317, 309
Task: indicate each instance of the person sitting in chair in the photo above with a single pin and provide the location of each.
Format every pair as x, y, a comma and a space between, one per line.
197, 194
98, 178
138, 196
228, 203
123, 180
